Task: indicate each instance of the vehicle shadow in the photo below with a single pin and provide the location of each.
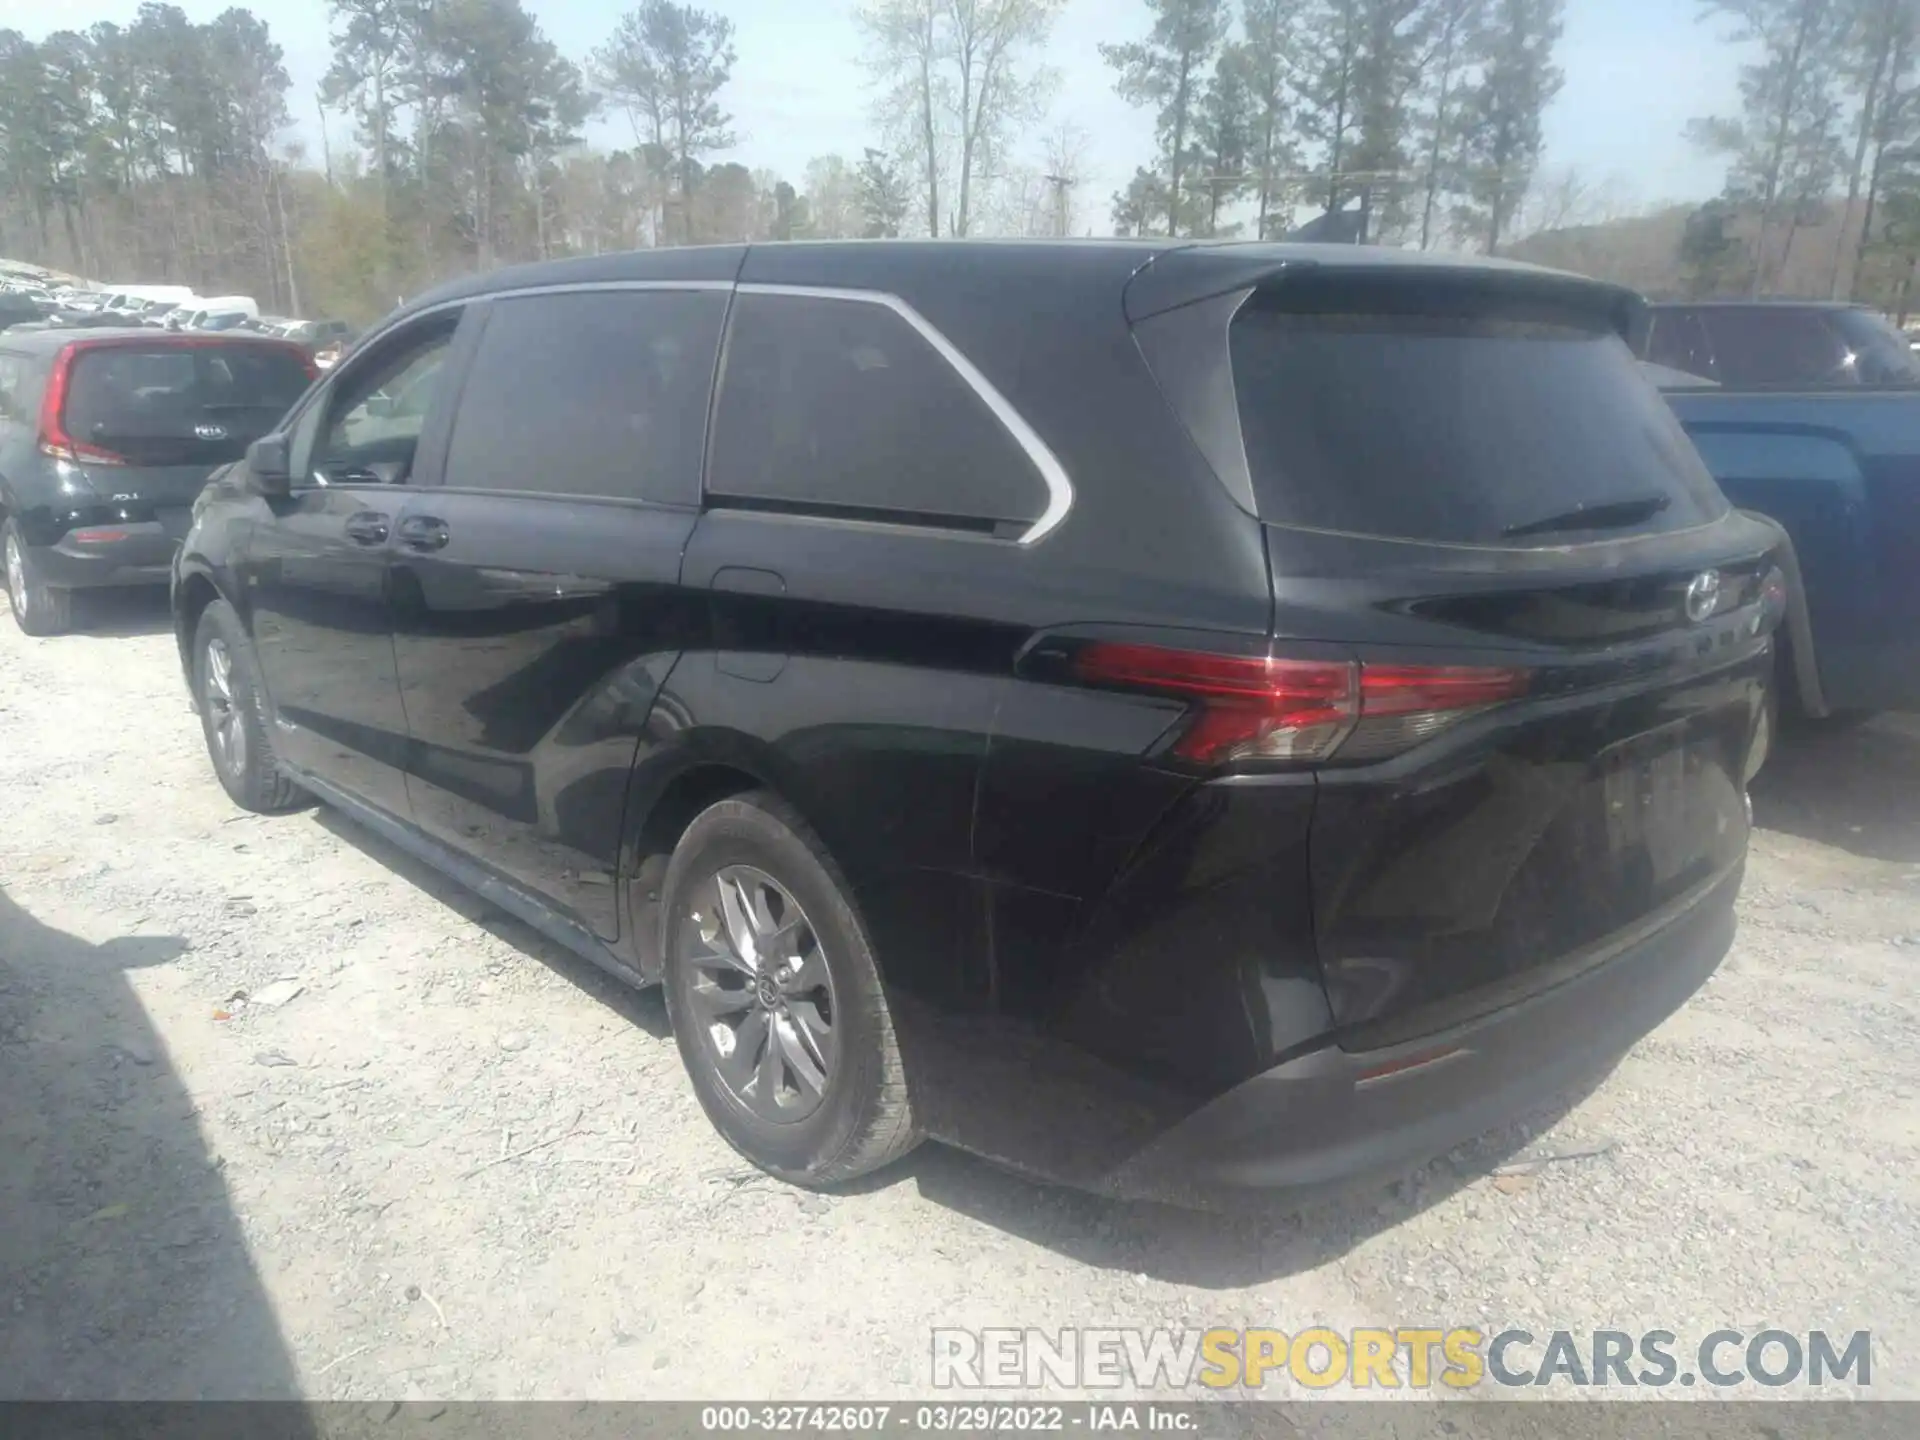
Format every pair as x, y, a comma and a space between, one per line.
124, 1271
644, 1008
1854, 787
122, 614
1238, 1240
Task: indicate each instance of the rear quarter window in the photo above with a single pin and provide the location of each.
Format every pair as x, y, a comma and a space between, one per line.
841, 405
1454, 426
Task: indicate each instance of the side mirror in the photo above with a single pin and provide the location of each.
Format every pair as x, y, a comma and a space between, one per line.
270, 466
381, 406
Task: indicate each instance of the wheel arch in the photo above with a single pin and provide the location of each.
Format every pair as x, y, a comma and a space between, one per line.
195, 590
665, 794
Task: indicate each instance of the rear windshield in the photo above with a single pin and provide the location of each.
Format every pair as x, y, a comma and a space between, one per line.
1494, 425
180, 405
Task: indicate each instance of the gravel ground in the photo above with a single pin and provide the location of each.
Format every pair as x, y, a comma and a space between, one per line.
460, 1164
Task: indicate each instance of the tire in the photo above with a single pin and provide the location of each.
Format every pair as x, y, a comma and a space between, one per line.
38, 608
838, 1105
226, 692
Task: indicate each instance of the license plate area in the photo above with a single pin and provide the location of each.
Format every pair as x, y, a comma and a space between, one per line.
1655, 790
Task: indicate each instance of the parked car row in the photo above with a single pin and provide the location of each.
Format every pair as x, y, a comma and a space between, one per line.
167, 307
1166, 717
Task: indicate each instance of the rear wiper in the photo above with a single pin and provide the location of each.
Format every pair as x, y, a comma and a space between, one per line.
1608, 515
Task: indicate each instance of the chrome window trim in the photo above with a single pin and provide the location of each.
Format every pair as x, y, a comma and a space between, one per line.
571, 287
1052, 473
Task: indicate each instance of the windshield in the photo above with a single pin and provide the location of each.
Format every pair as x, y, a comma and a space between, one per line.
176, 405
1460, 428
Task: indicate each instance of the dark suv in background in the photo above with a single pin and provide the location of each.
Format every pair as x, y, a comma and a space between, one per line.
1162, 716
104, 443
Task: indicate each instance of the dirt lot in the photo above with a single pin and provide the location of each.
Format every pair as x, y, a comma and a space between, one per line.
459, 1163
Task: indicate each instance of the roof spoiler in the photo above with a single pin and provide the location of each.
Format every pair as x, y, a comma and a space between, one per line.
1193, 273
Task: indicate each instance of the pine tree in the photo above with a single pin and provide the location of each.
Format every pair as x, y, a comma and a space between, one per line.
1168, 70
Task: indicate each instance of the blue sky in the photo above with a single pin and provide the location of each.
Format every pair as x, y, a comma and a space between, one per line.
1637, 70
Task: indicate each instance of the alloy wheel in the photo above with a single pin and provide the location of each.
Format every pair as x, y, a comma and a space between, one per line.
762, 993
223, 716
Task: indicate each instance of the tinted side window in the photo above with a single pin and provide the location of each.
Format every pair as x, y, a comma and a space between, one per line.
375, 414
1776, 346
599, 393
1679, 341
842, 404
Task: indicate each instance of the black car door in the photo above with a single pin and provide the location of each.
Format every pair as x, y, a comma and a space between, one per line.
536, 591
315, 571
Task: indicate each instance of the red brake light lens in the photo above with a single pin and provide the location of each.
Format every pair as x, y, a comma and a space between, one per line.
1259, 707
54, 439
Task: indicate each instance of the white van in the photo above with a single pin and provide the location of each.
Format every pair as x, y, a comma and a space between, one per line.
229, 305
117, 298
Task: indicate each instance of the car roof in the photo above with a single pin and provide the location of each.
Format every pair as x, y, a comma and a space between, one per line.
48, 342
1766, 304
1186, 269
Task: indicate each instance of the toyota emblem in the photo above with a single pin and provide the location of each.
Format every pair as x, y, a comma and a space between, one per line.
1703, 595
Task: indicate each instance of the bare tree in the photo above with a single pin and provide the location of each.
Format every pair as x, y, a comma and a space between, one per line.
1452, 33
668, 63
1783, 149
958, 79
832, 199
1065, 157
903, 40
986, 41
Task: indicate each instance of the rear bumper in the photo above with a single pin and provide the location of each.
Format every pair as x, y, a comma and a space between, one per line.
1335, 1117
142, 555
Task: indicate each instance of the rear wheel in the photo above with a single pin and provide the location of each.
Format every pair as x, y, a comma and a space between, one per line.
38, 608
775, 999
227, 693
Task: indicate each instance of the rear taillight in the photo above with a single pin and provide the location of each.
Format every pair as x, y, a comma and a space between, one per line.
54, 440
1402, 705
1263, 707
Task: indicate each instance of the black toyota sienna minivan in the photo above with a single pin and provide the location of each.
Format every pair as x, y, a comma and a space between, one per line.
1169, 717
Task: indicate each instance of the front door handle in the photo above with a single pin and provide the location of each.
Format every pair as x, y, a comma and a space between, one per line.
424, 532
367, 527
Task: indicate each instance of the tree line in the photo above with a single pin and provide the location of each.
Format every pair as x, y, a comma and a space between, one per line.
1423, 116
451, 138
159, 150
1829, 121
